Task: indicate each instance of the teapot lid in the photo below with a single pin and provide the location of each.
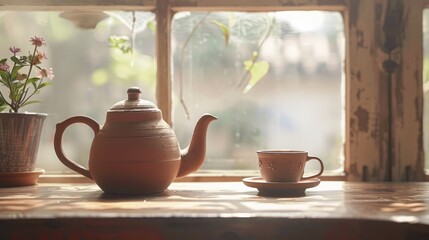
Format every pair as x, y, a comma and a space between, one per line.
133, 103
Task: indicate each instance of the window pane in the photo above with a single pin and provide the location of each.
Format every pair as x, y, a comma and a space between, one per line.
89, 75
290, 97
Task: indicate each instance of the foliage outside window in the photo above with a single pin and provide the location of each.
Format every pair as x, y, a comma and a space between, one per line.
237, 45
295, 83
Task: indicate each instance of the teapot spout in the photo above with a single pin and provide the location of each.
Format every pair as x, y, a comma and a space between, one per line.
192, 157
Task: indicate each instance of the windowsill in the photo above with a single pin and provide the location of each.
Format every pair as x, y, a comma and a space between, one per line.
200, 176
216, 211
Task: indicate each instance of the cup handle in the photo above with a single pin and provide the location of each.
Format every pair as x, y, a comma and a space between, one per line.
321, 168
58, 139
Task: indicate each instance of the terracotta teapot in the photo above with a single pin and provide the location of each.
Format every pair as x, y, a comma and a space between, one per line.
135, 151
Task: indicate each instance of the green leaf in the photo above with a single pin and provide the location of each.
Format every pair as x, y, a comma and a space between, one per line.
15, 60
257, 71
125, 49
151, 25
29, 102
14, 96
120, 42
224, 29
4, 75
14, 72
45, 84
16, 85
117, 40
3, 61
33, 79
3, 105
3, 82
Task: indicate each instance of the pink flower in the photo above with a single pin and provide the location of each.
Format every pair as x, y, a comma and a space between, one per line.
38, 57
20, 86
4, 67
38, 41
49, 73
41, 55
15, 50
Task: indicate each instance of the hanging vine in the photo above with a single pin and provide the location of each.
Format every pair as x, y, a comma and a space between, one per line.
182, 60
121, 42
256, 69
253, 68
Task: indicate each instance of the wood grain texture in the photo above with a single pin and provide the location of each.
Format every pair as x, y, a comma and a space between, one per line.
332, 210
366, 95
407, 95
164, 88
33, 5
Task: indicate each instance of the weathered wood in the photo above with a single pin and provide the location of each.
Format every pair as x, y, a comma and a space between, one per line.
55, 5
407, 92
257, 5
76, 5
178, 3
366, 95
332, 210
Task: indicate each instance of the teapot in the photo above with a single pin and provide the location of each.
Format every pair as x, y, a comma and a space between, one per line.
135, 151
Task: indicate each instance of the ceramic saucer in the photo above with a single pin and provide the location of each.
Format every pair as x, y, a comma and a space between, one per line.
280, 188
17, 179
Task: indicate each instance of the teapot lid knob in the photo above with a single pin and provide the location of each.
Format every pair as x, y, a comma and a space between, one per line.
133, 93
133, 103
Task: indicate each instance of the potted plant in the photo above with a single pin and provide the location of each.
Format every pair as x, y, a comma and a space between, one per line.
21, 77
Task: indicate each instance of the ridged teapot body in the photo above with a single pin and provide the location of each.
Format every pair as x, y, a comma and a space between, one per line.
135, 151
127, 156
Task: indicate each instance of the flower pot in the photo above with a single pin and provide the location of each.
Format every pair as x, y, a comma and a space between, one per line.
19, 140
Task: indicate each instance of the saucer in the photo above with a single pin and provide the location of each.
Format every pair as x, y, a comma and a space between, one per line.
281, 188
17, 179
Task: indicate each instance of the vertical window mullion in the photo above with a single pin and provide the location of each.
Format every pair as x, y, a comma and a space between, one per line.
366, 96
407, 93
163, 39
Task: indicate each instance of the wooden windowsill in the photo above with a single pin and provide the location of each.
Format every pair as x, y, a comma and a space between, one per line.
227, 210
201, 176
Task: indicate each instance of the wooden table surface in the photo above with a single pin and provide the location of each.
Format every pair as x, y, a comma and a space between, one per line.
225, 210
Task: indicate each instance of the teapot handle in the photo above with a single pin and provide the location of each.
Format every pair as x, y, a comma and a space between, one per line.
61, 127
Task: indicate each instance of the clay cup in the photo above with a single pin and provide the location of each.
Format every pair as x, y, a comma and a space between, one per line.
285, 165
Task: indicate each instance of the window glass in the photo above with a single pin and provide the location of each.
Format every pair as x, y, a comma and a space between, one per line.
90, 76
274, 80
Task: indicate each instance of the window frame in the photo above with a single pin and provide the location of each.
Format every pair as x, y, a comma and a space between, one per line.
383, 73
